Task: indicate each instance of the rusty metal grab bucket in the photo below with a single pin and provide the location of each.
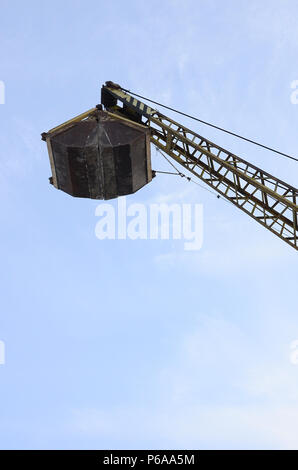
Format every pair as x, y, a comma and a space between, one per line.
99, 155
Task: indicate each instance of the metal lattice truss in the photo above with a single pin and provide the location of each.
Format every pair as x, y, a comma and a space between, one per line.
270, 201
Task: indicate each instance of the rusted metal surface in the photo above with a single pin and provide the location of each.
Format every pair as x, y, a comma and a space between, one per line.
101, 157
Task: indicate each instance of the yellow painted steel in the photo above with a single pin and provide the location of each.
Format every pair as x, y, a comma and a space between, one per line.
68, 123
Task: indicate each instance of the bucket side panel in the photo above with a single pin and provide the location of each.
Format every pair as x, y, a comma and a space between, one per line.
78, 172
60, 156
139, 163
123, 166
110, 189
95, 172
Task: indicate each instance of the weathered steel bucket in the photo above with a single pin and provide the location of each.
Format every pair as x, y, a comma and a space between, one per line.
99, 155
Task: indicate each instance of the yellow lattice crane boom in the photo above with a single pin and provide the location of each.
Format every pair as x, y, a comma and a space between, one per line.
127, 125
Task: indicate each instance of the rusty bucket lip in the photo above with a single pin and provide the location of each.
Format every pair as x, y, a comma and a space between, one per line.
93, 112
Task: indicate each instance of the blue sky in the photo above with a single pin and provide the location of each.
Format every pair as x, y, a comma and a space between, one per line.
140, 344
